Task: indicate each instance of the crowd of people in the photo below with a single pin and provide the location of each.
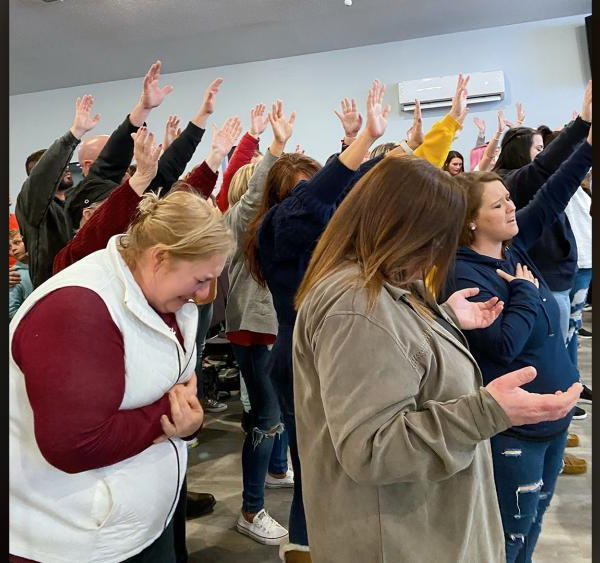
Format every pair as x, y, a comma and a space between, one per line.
406, 329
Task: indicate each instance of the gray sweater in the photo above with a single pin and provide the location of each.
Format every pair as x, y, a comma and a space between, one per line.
249, 306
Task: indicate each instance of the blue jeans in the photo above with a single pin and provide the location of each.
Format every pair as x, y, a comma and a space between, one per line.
578, 298
564, 305
204, 319
266, 424
280, 369
525, 473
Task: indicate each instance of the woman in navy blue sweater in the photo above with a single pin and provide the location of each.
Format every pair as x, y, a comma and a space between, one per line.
297, 205
494, 257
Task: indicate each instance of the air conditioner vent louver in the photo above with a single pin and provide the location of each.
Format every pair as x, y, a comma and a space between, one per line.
438, 92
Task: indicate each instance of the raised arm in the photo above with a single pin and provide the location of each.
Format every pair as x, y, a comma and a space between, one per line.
549, 202
506, 337
350, 119
116, 213
527, 180
438, 140
116, 155
177, 156
480, 124
243, 153
241, 214
203, 178
487, 159
39, 188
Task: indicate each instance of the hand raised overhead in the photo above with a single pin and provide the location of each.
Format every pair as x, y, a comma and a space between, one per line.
281, 125
152, 94
172, 131
350, 118
377, 113
459, 108
83, 121
258, 120
225, 137
146, 155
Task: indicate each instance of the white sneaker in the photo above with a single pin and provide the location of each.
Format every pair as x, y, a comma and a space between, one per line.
264, 529
275, 483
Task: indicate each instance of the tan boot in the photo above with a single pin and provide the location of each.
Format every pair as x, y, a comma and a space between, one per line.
574, 465
572, 440
297, 557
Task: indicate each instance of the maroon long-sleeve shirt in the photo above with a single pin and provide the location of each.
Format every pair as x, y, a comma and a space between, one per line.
242, 154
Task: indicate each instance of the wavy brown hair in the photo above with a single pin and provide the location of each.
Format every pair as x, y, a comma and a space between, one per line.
281, 180
401, 221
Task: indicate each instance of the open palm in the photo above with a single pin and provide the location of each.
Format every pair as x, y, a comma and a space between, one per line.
153, 95
377, 113
473, 315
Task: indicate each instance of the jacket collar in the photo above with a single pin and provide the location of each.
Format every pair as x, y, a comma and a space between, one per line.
401, 294
135, 301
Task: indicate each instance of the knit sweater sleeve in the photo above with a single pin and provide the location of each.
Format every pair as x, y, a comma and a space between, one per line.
242, 155
111, 218
438, 140
524, 182
549, 202
507, 336
76, 385
202, 179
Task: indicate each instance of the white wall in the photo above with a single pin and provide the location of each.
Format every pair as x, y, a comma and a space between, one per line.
545, 64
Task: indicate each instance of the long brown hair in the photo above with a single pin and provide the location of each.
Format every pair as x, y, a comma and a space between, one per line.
281, 180
473, 184
401, 219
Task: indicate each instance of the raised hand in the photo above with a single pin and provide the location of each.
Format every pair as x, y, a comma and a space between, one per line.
208, 103
472, 315
152, 93
225, 137
172, 131
415, 135
210, 96
501, 122
459, 108
522, 407
377, 113
299, 150
480, 124
258, 120
521, 273
83, 121
520, 114
351, 119
586, 108
146, 155
281, 125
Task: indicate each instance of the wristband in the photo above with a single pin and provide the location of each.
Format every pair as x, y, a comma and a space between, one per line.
405, 147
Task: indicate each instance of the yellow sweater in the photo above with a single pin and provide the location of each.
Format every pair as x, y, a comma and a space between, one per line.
438, 140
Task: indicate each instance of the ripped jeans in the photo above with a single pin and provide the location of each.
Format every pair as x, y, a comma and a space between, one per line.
266, 425
525, 473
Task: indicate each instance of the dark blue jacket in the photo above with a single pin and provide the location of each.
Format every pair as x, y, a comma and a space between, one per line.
290, 230
555, 253
527, 333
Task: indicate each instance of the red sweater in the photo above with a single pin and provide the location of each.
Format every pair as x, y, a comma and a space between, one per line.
114, 216
242, 154
12, 226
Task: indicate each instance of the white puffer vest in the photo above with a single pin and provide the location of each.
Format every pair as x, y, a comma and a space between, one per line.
110, 514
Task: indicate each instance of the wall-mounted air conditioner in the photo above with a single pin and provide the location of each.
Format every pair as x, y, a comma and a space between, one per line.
438, 92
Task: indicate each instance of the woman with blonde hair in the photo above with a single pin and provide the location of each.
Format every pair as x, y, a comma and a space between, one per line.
251, 327
392, 419
102, 398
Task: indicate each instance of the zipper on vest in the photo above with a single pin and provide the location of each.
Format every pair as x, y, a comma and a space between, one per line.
181, 371
178, 484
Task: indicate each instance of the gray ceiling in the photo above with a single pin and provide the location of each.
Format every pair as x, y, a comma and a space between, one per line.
72, 42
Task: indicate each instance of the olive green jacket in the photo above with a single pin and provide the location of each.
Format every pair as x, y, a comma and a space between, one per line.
393, 428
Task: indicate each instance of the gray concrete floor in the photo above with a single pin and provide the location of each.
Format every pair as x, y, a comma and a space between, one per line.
215, 467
